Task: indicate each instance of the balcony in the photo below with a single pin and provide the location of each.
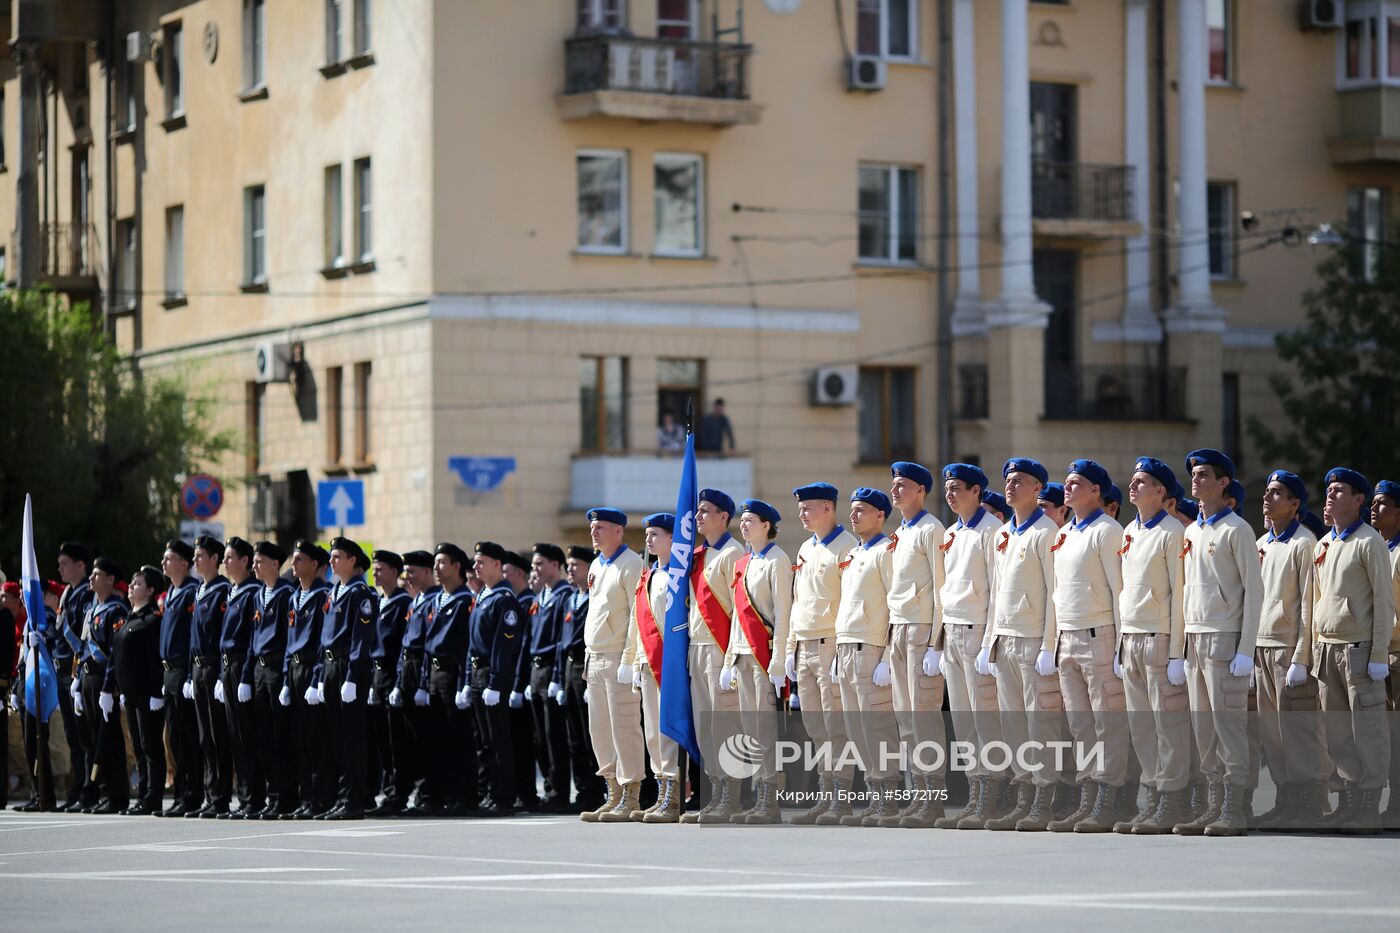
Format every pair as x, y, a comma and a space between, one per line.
1369, 127
640, 483
1076, 199
1114, 393
657, 79
67, 257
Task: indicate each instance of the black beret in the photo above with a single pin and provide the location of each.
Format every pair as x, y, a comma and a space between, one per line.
312, 550
106, 565
579, 552
351, 547
272, 550
75, 551
550, 552
389, 557
154, 578
418, 559
180, 549
517, 560
210, 545
241, 548
452, 552
492, 550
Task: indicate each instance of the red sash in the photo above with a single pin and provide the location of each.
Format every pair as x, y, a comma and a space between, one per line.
711, 609
647, 627
756, 629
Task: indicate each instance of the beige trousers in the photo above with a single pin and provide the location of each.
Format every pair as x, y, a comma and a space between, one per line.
972, 697
1158, 713
1219, 707
821, 700
1354, 718
1094, 702
1032, 709
1290, 721
665, 754
614, 719
758, 713
1392, 705
917, 698
868, 710
715, 710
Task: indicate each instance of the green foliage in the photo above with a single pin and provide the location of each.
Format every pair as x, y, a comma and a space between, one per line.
101, 448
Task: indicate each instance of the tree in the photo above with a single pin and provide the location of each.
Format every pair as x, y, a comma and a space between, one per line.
100, 447
1342, 384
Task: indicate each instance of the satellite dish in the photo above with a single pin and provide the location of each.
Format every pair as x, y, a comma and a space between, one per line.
783, 7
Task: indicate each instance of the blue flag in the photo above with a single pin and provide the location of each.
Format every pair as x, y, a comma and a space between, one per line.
677, 717
40, 680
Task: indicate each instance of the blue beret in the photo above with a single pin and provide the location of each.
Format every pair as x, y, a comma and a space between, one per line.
1114, 494
1208, 457
1028, 466
1313, 522
1053, 492
1158, 471
1294, 484
719, 500
1236, 491
663, 520
913, 471
1352, 478
1388, 487
967, 472
872, 497
1093, 472
616, 516
1188, 508
997, 503
1178, 493
815, 491
762, 509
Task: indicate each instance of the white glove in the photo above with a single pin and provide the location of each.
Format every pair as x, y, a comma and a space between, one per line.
311, 696
984, 660
1241, 666
321, 692
396, 697
933, 662
74, 689
554, 690
123, 699
791, 667
157, 704
33, 639
880, 677
624, 673
1045, 663
517, 700
585, 696
779, 681
104, 700
793, 701
463, 699
245, 693
1188, 667
1297, 675
284, 697
420, 698
78, 704
1117, 667
1176, 671
1377, 671
560, 696
348, 692
219, 690
187, 691
637, 679
530, 691
490, 697
726, 679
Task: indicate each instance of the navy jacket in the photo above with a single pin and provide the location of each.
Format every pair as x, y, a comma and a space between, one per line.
448, 631
497, 627
102, 623
575, 611
274, 606
240, 616
351, 609
207, 624
176, 622
305, 616
389, 627
73, 606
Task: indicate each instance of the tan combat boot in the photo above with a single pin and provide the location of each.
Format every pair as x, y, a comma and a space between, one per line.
693, 816
1197, 827
629, 804
840, 807
726, 806
824, 800
975, 788
614, 796
668, 804
766, 811
1149, 809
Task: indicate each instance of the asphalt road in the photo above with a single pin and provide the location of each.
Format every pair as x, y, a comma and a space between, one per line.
62, 872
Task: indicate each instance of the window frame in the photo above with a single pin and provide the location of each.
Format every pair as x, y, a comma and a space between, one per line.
362, 438
362, 28
128, 99
600, 407
254, 46
1228, 6
1229, 271
175, 253
698, 160
697, 389
1370, 253
127, 290
624, 206
914, 22
335, 31
888, 452
172, 69
335, 415
892, 171
595, 12
333, 218
362, 179
691, 23
254, 235
1375, 15
255, 422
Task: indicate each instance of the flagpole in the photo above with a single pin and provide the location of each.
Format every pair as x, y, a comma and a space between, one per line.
41, 732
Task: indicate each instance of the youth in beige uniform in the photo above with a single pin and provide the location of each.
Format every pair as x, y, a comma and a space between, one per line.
1353, 620
915, 624
862, 666
1224, 596
711, 607
811, 641
651, 597
969, 561
614, 714
1088, 581
762, 605
1385, 515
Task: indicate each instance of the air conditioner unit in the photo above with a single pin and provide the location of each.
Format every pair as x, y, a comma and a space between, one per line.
270, 509
866, 73
1321, 14
272, 361
835, 385
138, 47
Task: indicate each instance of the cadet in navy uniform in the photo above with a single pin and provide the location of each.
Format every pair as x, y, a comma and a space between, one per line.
451, 749
235, 687
210, 603
305, 618
176, 623
408, 693
264, 673
136, 660
74, 568
345, 673
568, 687
388, 744
494, 649
105, 616
541, 650
522, 730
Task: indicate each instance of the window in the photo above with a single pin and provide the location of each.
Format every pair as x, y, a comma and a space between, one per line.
4, 270
888, 200
126, 96
1230, 421
602, 201
1367, 216
362, 33
254, 52
888, 28
362, 448
679, 181
676, 19
1368, 50
679, 383
1220, 217
256, 424
335, 421
364, 243
254, 235
124, 294
600, 14
602, 399
335, 20
1220, 29
175, 252
2, 126
334, 219
886, 413
173, 66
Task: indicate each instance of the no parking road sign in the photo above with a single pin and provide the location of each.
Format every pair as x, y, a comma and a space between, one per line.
201, 496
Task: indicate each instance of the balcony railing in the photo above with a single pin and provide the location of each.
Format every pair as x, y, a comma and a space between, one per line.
67, 251
1079, 191
657, 66
972, 391
641, 482
1114, 393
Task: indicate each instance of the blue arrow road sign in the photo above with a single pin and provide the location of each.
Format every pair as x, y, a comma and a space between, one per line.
340, 502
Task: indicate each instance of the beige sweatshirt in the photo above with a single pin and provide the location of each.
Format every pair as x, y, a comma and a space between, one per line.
1285, 564
1224, 591
918, 569
656, 593
1025, 578
768, 580
864, 616
1088, 575
1354, 595
969, 571
1152, 600
816, 586
612, 585
719, 574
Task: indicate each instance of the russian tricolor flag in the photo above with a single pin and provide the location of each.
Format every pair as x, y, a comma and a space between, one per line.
40, 680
